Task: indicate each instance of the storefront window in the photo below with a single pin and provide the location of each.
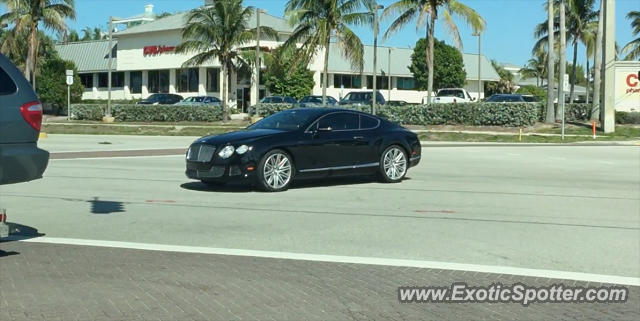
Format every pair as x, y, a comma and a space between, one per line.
187, 80
87, 80
405, 83
213, 82
347, 81
381, 83
117, 79
135, 82
158, 81
103, 80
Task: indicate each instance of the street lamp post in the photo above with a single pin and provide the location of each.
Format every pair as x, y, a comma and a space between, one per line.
257, 93
375, 55
389, 74
479, 35
112, 21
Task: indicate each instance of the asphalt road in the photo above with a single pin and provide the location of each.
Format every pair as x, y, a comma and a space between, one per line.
572, 208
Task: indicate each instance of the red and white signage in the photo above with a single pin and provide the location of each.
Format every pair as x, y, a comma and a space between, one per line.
157, 50
633, 83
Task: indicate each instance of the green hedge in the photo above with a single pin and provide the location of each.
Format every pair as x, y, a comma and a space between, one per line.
623, 117
147, 113
576, 112
475, 114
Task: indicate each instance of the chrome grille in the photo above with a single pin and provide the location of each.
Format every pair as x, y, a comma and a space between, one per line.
200, 153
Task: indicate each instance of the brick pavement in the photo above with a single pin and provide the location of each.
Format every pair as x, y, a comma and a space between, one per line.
64, 282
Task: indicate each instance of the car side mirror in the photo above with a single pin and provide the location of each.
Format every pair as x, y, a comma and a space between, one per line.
473, 98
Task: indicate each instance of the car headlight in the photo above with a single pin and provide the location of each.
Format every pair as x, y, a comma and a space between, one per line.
226, 152
243, 149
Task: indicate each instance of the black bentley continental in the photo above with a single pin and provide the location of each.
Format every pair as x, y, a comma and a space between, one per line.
305, 143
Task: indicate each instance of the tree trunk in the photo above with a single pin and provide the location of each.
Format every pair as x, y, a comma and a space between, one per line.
573, 71
597, 66
29, 63
563, 60
587, 86
224, 91
430, 53
550, 115
325, 71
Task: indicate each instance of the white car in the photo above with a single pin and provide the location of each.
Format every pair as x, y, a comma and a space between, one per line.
452, 95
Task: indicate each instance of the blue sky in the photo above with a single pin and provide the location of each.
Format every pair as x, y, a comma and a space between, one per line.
508, 37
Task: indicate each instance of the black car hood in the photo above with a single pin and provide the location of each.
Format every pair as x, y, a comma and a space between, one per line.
238, 136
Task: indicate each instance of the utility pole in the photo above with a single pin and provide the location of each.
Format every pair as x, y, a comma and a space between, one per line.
257, 93
107, 118
479, 35
375, 56
389, 74
607, 108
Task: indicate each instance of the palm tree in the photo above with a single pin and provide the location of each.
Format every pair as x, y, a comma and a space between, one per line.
581, 19
410, 10
97, 33
87, 34
597, 65
317, 21
632, 49
218, 32
27, 15
536, 67
562, 56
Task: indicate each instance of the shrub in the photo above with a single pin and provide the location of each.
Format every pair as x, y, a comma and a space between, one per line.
147, 113
577, 112
113, 101
623, 117
475, 114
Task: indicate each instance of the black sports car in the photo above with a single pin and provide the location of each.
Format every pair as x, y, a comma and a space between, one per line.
305, 143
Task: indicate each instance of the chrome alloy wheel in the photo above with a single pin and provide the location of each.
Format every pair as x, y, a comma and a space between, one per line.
277, 171
395, 163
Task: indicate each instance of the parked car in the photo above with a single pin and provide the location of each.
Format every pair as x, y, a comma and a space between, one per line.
452, 95
161, 99
397, 103
20, 119
316, 101
305, 143
511, 98
200, 100
362, 98
279, 100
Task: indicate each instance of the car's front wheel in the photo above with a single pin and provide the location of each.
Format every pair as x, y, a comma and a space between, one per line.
275, 171
393, 164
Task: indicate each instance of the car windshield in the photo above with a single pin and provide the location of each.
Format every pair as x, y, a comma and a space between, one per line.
504, 98
154, 98
450, 93
285, 120
272, 100
530, 99
358, 96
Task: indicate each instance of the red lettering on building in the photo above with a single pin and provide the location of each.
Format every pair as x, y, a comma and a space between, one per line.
630, 79
157, 50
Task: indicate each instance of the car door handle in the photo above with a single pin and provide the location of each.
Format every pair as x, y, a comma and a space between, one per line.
358, 137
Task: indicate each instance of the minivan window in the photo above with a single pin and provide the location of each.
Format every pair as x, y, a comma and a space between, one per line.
7, 86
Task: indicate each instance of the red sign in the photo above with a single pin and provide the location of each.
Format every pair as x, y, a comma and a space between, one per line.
633, 80
157, 50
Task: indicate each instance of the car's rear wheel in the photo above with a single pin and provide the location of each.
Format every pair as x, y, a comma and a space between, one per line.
393, 164
275, 171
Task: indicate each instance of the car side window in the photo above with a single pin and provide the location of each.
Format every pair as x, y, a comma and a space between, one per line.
7, 86
367, 122
340, 121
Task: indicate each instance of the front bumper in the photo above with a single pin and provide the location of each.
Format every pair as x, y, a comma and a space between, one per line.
236, 167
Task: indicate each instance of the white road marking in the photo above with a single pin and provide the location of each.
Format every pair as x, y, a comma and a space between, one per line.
116, 157
552, 274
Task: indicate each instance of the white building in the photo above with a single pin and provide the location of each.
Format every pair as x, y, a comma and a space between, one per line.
145, 62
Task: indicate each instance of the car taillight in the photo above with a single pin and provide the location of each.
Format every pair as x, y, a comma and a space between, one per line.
32, 114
